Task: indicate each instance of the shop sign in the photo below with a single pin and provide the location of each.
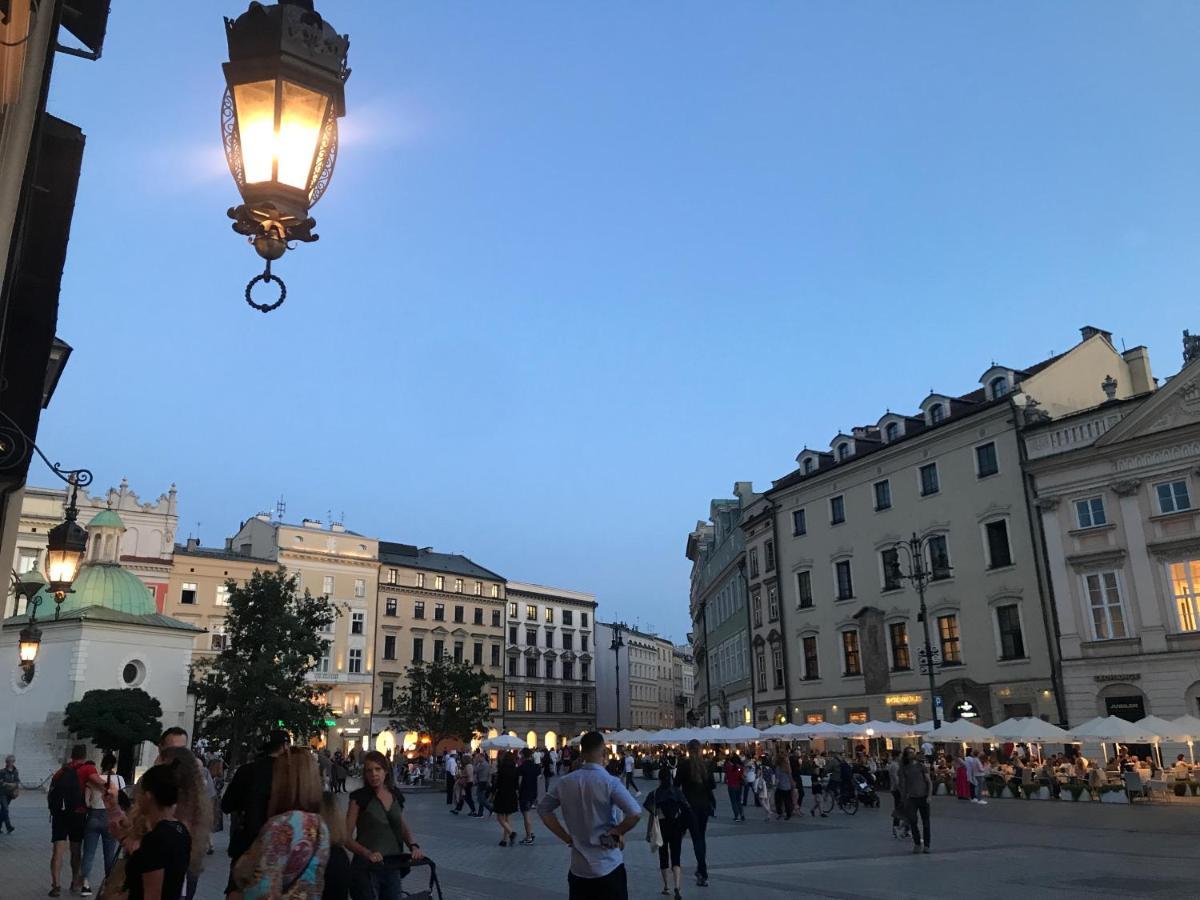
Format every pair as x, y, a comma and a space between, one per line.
1136, 676
903, 700
966, 710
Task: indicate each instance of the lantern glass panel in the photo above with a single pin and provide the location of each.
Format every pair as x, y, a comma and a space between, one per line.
300, 123
28, 650
63, 565
255, 103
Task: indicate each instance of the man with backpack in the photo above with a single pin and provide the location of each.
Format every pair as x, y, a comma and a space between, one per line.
68, 816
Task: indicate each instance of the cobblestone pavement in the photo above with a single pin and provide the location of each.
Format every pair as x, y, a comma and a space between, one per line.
1006, 849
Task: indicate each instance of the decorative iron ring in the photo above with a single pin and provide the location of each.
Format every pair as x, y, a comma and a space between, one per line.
264, 278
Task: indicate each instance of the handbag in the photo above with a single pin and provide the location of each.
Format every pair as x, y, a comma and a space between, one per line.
654, 835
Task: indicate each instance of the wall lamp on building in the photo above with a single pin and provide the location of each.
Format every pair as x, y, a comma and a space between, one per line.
285, 91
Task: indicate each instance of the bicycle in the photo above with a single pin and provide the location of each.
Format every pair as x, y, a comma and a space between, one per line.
832, 795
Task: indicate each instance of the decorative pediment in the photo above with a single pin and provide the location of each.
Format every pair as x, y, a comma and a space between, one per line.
514, 651
774, 637
758, 640
551, 655
584, 657
531, 651
1175, 404
566, 654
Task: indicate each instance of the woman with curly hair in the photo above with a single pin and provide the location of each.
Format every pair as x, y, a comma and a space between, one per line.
194, 809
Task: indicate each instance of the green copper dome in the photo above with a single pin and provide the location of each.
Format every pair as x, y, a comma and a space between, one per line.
106, 518
110, 586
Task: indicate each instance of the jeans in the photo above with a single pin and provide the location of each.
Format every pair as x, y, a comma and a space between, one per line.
466, 798
629, 782
613, 886
919, 806
748, 792
481, 799
95, 833
699, 843
4, 801
372, 881
735, 800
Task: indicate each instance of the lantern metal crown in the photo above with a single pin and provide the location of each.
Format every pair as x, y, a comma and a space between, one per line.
285, 91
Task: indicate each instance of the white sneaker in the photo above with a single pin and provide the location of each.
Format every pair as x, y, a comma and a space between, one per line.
974, 799
983, 803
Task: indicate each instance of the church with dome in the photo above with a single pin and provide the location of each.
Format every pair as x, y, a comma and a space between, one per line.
107, 633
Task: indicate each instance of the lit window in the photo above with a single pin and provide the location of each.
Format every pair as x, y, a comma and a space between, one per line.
479, 589
531, 612
898, 631
529, 701
222, 595
439, 582
1185, 585
360, 587
458, 585
850, 654
392, 575
420, 579
948, 636
550, 614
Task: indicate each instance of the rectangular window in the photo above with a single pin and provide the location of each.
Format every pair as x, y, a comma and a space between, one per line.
939, 557
568, 641
929, 479
529, 701
1008, 623
418, 609
478, 615
512, 610
549, 668
890, 559
222, 595
510, 701
550, 615
458, 651
568, 617
883, 495
439, 612
531, 612
439, 582
583, 643
187, 594
460, 614
770, 554
566, 706
531, 637
392, 576
495, 590
837, 510
583, 620
753, 562
777, 665
1173, 496
999, 554
418, 650
512, 666
388, 695
360, 587
420, 579
850, 655
760, 660
458, 585
583, 703
495, 655
756, 602
1185, 585
477, 654
512, 634
323, 662
355, 667
327, 585
439, 650
585, 670
799, 524
568, 670
495, 618
357, 622
531, 667
948, 637
218, 639
389, 647
898, 631
1089, 513
772, 604
494, 699
389, 606
479, 589
804, 589
27, 560
845, 582
985, 460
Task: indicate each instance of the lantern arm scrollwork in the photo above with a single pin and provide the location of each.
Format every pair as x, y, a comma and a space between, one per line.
15, 446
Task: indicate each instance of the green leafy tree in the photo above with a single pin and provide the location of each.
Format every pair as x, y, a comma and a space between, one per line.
258, 682
442, 699
117, 720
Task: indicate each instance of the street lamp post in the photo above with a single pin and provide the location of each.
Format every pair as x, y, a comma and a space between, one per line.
618, 642
285, 91
914, 550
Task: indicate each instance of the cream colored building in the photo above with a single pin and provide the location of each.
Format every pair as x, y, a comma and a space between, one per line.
344, 566
431, 604
683, 671
1118, 498
950, 473
647, 684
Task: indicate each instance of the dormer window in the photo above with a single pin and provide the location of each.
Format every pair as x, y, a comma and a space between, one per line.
808, 465
937, 413
843, 451
891, 431
998, 387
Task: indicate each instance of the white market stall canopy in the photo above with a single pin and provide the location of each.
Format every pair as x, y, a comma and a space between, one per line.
1188, 725
1170, 731
878, 729
960, 732
504, 742
785, 732
1112, 728
743, 734
821, 730
1031, 730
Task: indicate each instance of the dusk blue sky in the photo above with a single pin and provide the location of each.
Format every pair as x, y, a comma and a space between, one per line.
582, 266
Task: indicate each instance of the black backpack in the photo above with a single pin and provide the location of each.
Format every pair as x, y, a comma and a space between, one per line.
671, 805
66, 793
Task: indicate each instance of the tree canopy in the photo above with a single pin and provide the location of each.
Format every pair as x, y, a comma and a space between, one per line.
117, 719
442, 699
259, 682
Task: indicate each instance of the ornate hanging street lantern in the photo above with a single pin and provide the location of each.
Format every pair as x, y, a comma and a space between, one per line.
65, 546
285, 92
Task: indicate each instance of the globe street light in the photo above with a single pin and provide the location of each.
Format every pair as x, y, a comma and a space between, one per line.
285, 91
617, 643
914, 549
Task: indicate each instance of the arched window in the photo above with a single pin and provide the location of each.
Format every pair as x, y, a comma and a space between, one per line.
843, 451
891, 432
937, 412
998, 387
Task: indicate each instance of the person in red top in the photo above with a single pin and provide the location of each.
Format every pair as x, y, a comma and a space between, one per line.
733, 783
68, 816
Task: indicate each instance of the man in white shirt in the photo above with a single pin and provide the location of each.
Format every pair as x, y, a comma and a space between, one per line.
451, 775
629, 763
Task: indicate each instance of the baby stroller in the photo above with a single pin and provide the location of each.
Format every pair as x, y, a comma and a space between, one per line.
405, 862
865, 791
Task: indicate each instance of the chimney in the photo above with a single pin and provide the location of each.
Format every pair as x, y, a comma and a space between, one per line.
1090, 331
337, 527
1141, 379
193, 543
1191, 347
743, 490
262, 517
228, 545
311, 523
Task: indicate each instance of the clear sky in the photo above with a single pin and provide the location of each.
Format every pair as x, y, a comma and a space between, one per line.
582, 266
